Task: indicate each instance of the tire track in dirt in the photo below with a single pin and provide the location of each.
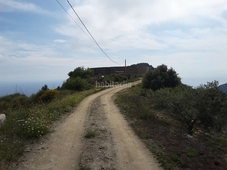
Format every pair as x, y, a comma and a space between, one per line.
99, 151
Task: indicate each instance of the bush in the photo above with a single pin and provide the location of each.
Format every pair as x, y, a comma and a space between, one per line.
49, 95
13, 101
205, 105
212, 106
81, 72
161, 77
77, 84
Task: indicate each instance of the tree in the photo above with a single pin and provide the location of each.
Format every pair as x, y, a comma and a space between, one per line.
212, 106
78, 79
161, 77
80, 72
44, 88
49, 95
205, 105
77, 84
182, 102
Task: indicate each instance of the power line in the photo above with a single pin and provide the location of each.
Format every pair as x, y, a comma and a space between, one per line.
91, 37
73, 19
90, 33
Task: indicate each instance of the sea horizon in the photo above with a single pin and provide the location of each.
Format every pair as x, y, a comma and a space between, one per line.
26, 87
31, 87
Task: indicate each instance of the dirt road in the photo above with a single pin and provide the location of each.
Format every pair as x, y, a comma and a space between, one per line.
110, 142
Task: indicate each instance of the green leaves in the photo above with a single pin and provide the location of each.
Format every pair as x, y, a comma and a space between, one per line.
77, 83
205, 105
161, 77
81, 72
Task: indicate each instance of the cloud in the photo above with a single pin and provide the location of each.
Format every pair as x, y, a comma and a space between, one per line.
196, 39
22, 61
183, 34
44, 68
12, 5
118, 25
59, 41
186, 35
194, 64
19, 49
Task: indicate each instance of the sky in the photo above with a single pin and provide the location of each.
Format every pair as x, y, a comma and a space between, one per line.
39, 41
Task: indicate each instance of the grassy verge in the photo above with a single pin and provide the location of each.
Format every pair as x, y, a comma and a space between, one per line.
28, 123
167, 137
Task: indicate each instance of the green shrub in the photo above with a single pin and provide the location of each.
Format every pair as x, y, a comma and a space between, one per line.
161, 77
160, 98
81, 72
212, 106
205, 105
13, 101
77, 84
49, 95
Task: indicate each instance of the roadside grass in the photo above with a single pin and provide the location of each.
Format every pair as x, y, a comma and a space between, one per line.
167, 137
90, 134
26, 124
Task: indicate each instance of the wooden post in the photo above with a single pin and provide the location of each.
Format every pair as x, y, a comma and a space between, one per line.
125, 67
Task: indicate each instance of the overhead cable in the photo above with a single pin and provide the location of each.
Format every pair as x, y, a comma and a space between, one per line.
90, 33
73, 19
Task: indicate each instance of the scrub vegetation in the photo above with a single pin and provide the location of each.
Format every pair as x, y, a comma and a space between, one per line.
185, 127
29, 118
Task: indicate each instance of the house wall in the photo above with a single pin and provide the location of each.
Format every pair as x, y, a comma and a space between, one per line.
133, 70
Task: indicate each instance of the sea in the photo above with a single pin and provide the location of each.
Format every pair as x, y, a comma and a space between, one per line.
27, 88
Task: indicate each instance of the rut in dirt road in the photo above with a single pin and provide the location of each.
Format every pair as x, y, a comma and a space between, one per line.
113, 146
98, 151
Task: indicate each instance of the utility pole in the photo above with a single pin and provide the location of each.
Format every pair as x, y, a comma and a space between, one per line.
125, 67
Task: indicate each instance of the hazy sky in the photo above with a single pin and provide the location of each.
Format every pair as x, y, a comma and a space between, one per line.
39, 41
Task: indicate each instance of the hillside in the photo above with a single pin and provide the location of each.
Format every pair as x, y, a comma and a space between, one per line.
223, 88
166, 134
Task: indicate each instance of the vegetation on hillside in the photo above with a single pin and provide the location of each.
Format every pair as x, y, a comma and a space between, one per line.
78, 79
184, 127
29, 118
204, 106
30, 122
161, 77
